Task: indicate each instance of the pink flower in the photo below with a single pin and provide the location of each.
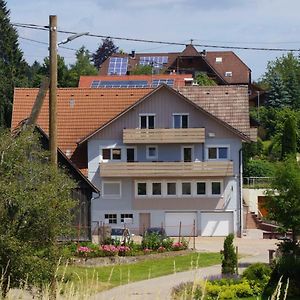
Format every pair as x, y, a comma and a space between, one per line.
84, 249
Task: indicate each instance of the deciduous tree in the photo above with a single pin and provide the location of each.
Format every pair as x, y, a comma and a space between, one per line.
105, 50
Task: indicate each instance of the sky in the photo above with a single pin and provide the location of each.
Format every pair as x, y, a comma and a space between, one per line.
244, 23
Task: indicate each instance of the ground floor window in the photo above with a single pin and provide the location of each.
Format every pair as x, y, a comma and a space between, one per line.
126, 217
111, 218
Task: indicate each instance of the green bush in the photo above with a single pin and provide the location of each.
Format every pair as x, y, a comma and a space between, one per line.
229, 257
151, 241
258, 272
259, 168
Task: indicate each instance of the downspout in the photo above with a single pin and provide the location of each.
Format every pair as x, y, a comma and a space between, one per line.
240, 233
90, 214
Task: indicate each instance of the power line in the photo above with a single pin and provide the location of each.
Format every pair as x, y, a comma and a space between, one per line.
45, 28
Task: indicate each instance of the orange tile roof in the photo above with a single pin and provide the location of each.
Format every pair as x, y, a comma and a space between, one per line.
86, 81
91, 108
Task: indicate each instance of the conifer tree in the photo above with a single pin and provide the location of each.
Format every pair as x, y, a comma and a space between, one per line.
13, 68
105, 50
289, 142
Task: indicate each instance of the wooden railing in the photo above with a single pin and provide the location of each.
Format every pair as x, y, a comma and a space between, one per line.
161, 135
167, 169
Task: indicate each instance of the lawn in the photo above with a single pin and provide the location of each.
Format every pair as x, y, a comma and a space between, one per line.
105, 277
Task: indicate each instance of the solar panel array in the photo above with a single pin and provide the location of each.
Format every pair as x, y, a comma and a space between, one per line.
130, 83
118, 66
156, 61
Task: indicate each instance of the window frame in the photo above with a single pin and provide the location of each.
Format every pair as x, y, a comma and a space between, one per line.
112, 195
136, 189
181, 114
123, 214
147, 115
147, 152
166, 189
111, 154
221, 188
218, 155
191, 189
113, 217
192, 153
161, 188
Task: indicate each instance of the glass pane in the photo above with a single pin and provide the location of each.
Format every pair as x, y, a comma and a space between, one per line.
212, 153
201, 188
152, 151
171, 188
177, 121
105, 153
185, 121
216, 188
116, 153
142, 188
130, 154
186, 188
143, 122
156, 188
187, 154
151, 122
223, 152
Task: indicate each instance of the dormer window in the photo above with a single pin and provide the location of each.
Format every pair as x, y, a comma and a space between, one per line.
228, 74
218, 59
147, 121
180, 120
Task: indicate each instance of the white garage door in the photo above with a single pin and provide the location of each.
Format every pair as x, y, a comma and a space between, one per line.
172, 221
216, 224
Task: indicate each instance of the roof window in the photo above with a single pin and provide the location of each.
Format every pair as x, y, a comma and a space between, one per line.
228, 74
218, 59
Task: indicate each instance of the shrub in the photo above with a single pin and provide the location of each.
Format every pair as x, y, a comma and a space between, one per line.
167, 243
258, 272
229, 258
259, 168
151, 241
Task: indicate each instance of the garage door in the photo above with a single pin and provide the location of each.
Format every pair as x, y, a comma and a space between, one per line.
216, 224
172, 221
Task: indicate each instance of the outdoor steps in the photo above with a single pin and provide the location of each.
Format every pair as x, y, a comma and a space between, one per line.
251, 221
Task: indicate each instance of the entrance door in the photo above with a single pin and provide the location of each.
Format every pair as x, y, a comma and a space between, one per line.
130, 155
144, 222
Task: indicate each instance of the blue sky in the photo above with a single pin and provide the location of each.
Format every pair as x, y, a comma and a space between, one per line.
252, 23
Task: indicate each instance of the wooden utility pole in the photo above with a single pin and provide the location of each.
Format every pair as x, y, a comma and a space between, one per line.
53, 88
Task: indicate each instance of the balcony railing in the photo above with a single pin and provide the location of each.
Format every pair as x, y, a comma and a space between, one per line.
162, 135
167, 169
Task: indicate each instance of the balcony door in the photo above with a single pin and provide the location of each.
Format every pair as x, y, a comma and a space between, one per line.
187, 154
130, 154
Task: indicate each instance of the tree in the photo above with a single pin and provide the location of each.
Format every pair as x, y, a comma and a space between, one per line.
288, 140
104, 51
203, 79
35, 209
13, 68
229, 257
142, 70
82, 66
283, 202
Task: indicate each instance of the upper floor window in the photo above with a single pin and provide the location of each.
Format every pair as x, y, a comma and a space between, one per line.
147, 121
180, 120
151, 152
111, 153
111, 189
218, 153
216, 188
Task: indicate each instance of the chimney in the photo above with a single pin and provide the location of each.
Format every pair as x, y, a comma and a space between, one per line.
203, 53
132, 54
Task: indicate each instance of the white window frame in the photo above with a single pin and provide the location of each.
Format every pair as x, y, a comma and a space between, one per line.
182, 152
195, 188
118, 196
191, 185
110, 148
113, 214
221, 188
147, 188
181, 114
217, 146
147, 121
122, 222
166, 188
147, 152
161, 188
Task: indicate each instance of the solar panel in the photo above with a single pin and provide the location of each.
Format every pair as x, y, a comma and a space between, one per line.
119, 84
156, 61
157, 82
117, 66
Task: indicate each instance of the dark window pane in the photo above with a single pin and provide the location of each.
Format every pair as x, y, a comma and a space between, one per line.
171, 188
184, 121
187, 154
130, 154
212, 153
105, 153
116, 153
152, 152
142, 188
186, 188
201, 188
150, 122
177, 121
216, 188
143, 122
223, 152
156, 188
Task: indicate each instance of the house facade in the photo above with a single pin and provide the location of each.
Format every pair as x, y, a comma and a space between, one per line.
167, 162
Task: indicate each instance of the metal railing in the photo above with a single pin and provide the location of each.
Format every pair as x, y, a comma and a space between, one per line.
257, 182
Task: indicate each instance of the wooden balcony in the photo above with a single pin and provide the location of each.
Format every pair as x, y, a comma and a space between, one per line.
167, 169
164, 136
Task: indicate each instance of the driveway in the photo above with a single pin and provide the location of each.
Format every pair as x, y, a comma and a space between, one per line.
252, 249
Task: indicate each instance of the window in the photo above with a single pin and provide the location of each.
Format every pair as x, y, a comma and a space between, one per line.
171, 188
218, 153
201, 188
127, 217
111, 189
156, 188
219, 59
186, 188
180, 121
147, 121
130, 153
142, 188
151, 152
111, 153
112, 218
228, 74
216, 188
187, 154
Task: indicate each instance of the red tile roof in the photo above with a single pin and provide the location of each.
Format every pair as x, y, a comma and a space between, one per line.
86, 81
